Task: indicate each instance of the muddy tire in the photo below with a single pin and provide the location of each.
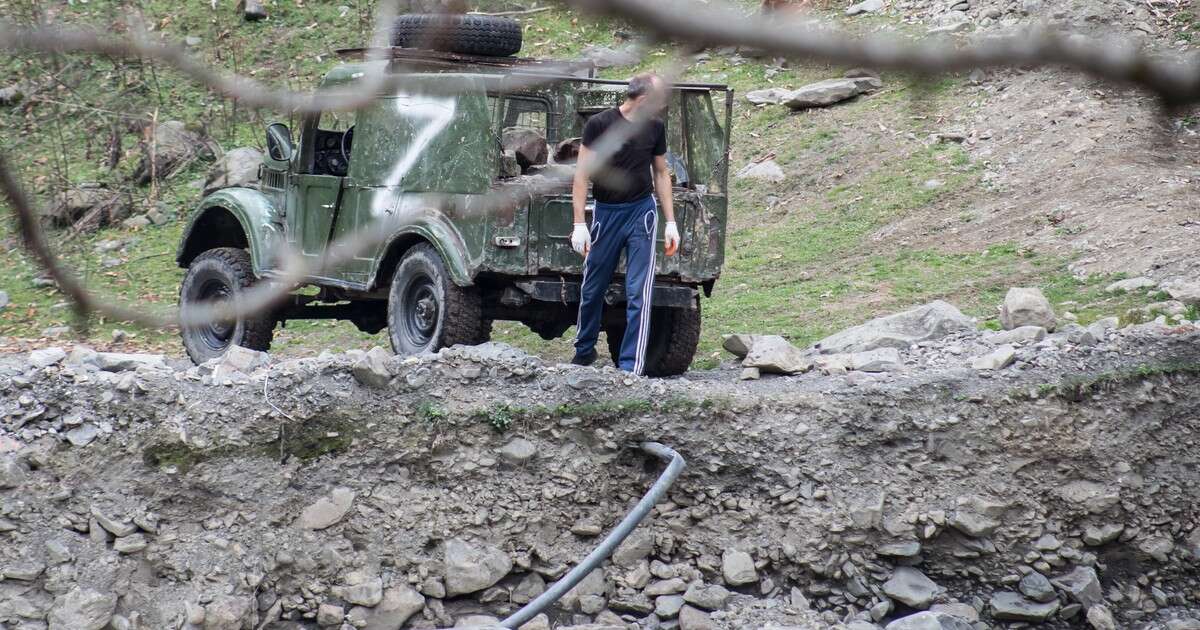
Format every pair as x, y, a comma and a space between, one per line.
427, 311
482, 35
220, 274
674, 336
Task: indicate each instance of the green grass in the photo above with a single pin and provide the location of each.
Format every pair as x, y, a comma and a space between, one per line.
803, 267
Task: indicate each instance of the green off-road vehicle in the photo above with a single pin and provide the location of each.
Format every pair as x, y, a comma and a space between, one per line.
418, 171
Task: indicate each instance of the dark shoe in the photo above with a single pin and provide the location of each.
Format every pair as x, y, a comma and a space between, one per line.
583, 359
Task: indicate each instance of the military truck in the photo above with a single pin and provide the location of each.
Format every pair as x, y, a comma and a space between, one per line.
466, 219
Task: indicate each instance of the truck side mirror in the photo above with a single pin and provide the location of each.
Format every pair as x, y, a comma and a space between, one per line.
279, 142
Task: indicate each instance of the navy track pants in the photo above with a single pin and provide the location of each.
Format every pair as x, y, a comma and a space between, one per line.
630, 228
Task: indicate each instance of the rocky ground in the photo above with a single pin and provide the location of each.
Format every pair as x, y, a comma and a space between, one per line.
914, 472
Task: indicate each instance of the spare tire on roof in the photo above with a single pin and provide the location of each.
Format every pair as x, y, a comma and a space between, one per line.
464, 34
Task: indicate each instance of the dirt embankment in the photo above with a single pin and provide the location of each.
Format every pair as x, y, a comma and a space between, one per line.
344, 492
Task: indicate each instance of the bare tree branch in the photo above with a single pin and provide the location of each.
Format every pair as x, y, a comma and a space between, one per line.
1175, 81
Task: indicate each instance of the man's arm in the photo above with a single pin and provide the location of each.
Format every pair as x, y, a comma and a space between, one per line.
581, 240
662, 186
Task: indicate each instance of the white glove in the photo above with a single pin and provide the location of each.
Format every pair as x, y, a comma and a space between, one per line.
581, 240
671, 236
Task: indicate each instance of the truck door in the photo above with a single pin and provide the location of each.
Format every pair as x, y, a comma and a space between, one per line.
316, 190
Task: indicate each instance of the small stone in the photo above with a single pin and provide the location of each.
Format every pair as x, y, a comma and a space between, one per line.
371, 369
46, 357
879, 360
1035, 586
694, 619
330, 615
1094, 536
119, 529
965, 612
1132, 284
997, 359
1082, 585
1010, 606
974, 525
750, 374
13, 472
866, 6
774, 354
1019, 335
471, 568
910, 587
668, 606
900, 550
82, 609
738, 568
518, 451
633, 549
708, 597
327, 511
83, 434
130, 544
586, 528
1101, 618
929, 620
767, 170
666, 587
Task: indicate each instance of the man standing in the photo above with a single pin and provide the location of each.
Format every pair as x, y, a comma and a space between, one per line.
626, 216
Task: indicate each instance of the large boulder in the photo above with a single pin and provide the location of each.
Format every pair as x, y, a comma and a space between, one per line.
822, 93
900, 330
238, 167
89, 207
768, 96
767, 170
171, 145
605, 57
1026, 306
1011, 606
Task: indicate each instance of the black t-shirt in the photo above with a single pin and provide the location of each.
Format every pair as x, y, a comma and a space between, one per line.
630, 176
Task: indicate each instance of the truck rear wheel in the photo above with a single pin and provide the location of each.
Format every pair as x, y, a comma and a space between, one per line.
674, 336
483, 35
218, 275
427, 311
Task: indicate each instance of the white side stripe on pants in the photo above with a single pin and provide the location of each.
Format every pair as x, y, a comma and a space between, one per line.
639, 364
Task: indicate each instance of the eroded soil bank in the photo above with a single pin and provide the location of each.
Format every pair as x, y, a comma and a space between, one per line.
146, 495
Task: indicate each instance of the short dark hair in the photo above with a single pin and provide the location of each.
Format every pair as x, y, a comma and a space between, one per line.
641, 84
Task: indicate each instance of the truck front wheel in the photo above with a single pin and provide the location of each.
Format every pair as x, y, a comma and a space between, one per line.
427, 311
216, 276
673, 338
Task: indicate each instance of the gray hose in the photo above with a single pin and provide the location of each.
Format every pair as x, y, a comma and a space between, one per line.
610, 542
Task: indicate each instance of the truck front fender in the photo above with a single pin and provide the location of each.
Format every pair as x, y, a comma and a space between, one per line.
234, 217
431, 227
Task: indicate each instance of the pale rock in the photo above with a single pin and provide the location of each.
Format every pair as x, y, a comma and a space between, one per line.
518, 451
1089, 495
899, 330
738, 567
694, 619
45, 357
768, 96
774, 354
738, 344
1101, 618
399, 603
767, 170
822, 94
327, 511
1131, 284
330, 615
237, 167
929, 620
880, 360
13, 472
1027, 306
866, 6
82, 609
707, 596
997, 359
1035, 586
471, 568
371, 369
1083, 585
1011, 606
634, 549
1020, 335
1187, 292
911, 588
